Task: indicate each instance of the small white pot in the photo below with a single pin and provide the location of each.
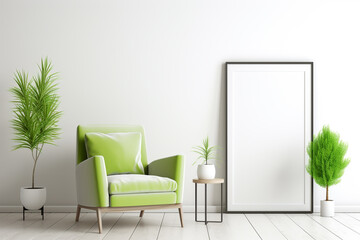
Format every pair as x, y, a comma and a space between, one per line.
206, 171
33, 198
327, 208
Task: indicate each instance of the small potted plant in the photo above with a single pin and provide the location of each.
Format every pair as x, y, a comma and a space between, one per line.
205, 170
35, 122
327, 163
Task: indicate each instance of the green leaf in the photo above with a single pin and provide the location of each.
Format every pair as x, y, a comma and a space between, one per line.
205, 152
327, 158
35, 113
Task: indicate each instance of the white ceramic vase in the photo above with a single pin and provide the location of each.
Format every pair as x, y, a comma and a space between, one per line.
206, 171
327, 208
33, 198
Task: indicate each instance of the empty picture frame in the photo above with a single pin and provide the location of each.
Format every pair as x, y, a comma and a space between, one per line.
269, 125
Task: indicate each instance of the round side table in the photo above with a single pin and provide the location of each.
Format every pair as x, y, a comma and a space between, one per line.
206, 182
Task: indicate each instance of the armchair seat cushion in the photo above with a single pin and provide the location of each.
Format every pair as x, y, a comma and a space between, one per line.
139, 183
142, 199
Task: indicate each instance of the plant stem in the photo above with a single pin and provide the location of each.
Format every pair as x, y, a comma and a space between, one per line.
36, 157
32, 154
33, 175
38, 151
327, 193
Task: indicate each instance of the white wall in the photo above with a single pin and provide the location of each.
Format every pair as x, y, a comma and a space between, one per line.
161, 64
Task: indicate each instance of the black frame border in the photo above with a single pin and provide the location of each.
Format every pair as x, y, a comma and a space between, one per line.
226, 139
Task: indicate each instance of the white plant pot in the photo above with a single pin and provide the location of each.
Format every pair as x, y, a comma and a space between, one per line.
327, 208
206, 171
33, 198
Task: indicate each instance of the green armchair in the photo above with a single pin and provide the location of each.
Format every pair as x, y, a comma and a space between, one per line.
158, 185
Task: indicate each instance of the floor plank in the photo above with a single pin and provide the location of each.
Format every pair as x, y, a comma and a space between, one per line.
108, 221
288, 228
234, 226
124, 227
335, 227
8, 220
264, 227
316, 230
58, 228
148, 227
16, 225
4, 215
348, 221
164, 226
86, 222
355, 215
171, 228
39, 226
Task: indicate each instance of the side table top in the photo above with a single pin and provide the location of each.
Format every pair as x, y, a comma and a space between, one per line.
209, 181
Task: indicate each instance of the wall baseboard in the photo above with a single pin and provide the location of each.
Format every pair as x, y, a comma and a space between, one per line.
72, 209
351, 208
186, 208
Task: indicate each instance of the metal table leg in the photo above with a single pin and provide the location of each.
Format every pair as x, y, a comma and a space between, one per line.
196, 202
221, 202
206, 218
206, 222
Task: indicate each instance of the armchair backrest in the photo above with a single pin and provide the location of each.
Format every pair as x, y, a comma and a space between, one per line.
83, 129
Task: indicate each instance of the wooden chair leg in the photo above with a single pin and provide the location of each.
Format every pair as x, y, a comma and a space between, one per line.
141, 213
78, 213
98, 213
181, 216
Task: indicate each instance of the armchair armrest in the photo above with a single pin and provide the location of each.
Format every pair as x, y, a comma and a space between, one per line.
171, 167
91, 182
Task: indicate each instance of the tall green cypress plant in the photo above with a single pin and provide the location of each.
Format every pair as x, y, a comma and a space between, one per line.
327, 160
35, 114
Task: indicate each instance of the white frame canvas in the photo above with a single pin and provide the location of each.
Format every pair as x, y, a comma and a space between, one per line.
269, 125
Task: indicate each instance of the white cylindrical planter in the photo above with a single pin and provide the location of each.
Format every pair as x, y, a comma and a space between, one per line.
327, 208
33, 198
206, 171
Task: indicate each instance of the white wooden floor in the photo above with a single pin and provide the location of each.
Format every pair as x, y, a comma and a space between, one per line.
167, 226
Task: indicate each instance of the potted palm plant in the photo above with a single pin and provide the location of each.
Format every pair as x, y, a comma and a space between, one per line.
35, 122
327, 163
205, 170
